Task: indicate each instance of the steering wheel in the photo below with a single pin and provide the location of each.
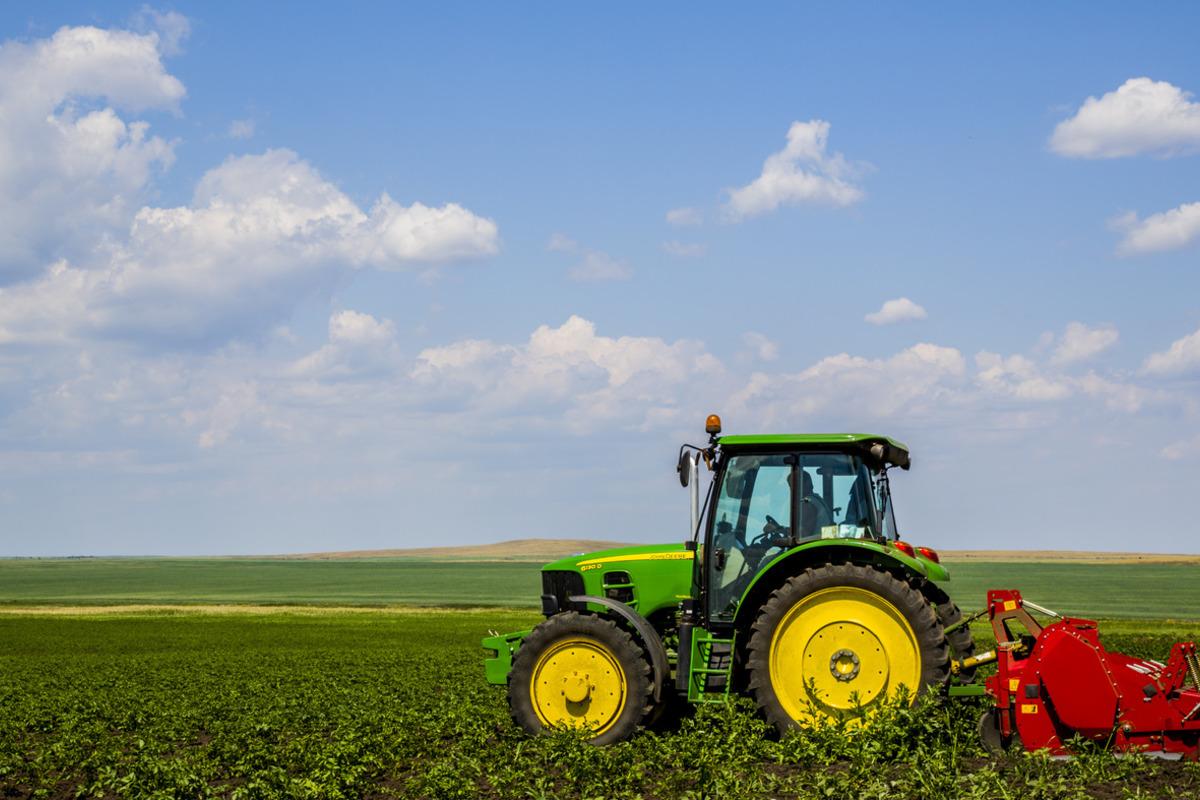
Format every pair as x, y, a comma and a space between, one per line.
772, 533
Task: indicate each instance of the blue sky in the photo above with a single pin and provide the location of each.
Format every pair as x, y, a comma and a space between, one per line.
408, 276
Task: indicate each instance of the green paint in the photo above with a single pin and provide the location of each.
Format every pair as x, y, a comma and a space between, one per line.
807, 439
659, 583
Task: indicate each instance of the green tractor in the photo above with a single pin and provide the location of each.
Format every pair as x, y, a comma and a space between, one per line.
793, 588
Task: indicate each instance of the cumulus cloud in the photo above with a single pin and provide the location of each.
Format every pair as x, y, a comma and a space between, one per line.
1168, 230
803, 172
682, 217
914, 383
262, 233
899, 310
71, 168
359, 344
1142, 116
1181, 358
1080, 343
1019, 377
594, 379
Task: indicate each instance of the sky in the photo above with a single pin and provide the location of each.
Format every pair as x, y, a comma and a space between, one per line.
401, 275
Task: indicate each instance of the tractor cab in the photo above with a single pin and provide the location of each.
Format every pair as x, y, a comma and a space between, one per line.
772, 493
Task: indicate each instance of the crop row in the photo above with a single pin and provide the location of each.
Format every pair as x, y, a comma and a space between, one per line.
394, 705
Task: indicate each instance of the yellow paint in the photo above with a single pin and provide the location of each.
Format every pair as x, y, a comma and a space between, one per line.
809, 650
1014, 684
680, 555
1010, 605
578, 682
1029, 708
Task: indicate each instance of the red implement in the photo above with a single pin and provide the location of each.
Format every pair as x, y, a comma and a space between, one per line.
1057, 682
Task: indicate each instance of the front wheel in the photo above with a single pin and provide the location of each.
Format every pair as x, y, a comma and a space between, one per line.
841, 639
580, 671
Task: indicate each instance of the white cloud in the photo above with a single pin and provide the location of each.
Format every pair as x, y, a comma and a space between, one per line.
762, 347
1079, 342
682, 217
1168, 230
359, 345
71, 168
899, 310
1140, 116
593, 379
803, 172
241, 129
1181, 358
683, 249
914, 384
1019, 377
262, 233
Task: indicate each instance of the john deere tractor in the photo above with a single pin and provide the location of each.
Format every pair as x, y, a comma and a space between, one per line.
793, 588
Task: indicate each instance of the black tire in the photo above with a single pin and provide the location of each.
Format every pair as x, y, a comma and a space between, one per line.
927, 650
609, 645
962, 643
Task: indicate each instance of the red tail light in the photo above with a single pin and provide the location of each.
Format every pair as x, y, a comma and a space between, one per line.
905, 547
929, 553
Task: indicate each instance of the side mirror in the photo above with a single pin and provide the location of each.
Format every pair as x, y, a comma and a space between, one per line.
684, 468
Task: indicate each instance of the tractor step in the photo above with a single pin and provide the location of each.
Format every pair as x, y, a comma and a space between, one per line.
710, 668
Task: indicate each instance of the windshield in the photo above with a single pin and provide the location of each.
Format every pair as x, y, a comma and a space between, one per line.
758, 514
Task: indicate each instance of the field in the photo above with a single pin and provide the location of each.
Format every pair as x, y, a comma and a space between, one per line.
275, 687
329, 704
1166, 590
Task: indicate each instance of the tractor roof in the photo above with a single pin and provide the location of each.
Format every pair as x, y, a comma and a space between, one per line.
897, 452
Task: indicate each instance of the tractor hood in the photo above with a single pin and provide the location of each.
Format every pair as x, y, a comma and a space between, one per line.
600, 559
647, 578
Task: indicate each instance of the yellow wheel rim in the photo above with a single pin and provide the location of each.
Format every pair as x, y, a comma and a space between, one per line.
841, 649
578, 682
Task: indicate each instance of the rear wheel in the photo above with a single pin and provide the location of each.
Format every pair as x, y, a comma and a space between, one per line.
962, 644
840, 639
580, 671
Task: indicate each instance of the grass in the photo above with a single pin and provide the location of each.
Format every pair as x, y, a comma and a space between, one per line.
1134, 590
385, 704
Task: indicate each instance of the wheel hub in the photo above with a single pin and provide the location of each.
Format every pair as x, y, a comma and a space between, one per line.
843, 665
576, 687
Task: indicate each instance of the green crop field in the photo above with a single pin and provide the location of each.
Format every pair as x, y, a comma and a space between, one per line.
1135, 590
323, 701
332, 704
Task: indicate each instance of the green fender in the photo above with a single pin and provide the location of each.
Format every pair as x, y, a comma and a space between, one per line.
797, 559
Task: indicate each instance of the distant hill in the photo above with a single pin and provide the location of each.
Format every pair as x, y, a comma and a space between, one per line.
517, 550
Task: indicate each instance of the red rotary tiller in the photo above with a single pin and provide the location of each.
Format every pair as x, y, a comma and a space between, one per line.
1057, 682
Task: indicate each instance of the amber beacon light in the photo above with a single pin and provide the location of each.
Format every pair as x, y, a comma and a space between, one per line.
712, 425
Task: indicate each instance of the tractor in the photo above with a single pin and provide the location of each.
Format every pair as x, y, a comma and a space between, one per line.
793, 587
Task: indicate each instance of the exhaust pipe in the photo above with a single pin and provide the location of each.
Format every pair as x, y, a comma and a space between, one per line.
693, 468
